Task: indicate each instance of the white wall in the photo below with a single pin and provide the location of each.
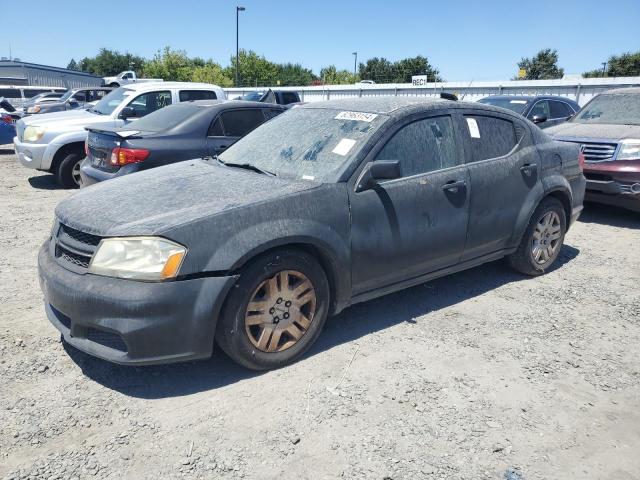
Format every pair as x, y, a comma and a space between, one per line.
581, 89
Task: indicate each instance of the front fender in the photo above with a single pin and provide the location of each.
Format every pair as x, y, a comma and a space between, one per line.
59, 142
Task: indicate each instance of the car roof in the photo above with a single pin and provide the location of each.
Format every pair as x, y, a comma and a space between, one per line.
138, 87
635, 90
231, 103
379, 105
530, 97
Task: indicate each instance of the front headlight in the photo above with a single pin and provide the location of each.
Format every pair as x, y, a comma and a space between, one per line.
138, 258
34, 109
33, 133
629, 150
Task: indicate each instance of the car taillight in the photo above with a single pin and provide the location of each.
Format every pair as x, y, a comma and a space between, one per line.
124, 156
581, 160
6, 119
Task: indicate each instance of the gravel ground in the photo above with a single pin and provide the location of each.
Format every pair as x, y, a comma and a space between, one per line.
484, 374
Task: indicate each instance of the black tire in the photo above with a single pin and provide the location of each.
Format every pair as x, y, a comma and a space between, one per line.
522, 260
114, 85
65, 173
231, 333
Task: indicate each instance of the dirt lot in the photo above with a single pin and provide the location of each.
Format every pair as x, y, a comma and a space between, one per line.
485, 374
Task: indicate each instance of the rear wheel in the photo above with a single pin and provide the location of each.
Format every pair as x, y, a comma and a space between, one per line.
68, 171
542, 241
275, 311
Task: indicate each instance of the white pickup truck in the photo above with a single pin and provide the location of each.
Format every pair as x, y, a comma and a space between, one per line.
54, 142
126, 78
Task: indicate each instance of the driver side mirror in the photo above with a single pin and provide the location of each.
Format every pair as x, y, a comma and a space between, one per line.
539, 118
128, 112
378, 170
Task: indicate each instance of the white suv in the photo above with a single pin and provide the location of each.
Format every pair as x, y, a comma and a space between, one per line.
54, 142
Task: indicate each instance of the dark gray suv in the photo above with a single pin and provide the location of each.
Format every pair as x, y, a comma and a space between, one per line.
324, 206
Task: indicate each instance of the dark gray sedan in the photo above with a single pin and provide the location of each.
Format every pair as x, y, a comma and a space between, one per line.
543, 110
178, 132
326, 205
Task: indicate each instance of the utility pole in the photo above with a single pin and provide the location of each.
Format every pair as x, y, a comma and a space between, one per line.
238, 10
355, 62
604, 68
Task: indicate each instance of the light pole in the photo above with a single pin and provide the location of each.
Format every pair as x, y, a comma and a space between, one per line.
604, 68
355, 62
238, 10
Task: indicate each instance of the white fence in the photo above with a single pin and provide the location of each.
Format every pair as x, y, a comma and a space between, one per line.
581, 89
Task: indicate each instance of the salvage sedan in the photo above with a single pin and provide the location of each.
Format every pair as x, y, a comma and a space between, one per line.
326, 205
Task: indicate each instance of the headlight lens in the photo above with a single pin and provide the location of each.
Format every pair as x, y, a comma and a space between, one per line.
629, 150
33, 133
34, 109
138, 258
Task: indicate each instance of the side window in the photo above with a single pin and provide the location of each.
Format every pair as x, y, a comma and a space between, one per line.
237, 123
215, 130
10, 93
186, 95
150, 102
423, 146
269, 113
490, 137
127, 76
289, 97
540, 108
80, 96
560, 110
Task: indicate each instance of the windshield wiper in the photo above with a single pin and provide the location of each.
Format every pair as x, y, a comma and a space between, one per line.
246, 166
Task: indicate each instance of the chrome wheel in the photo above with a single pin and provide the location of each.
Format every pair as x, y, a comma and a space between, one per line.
75, 174
546, 238
280, 311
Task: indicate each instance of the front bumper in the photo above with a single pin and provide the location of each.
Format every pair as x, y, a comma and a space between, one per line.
30, 154
130, 322
614, 183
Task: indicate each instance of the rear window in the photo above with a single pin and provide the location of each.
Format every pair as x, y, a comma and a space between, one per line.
187, 95
490, 137
289, 97
10, 93
166, 118
513, 104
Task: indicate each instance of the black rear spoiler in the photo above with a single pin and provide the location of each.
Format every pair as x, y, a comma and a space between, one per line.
449, 96
115, 133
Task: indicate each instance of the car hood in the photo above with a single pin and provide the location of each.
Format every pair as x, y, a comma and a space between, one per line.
599, 131
158, 200
67, 117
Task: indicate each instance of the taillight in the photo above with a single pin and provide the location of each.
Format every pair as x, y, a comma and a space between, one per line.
125, 156
581, 160
6, 119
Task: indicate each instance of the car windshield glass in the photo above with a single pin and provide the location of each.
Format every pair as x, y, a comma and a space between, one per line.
166, 118
513, 104
307, 143
67, 95
253, 96
617, 109
108, 104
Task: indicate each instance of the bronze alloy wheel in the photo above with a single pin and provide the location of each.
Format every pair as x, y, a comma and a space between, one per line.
546, 238
280, 311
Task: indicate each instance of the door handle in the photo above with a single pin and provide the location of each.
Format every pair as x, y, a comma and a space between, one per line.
453, 186
529, 168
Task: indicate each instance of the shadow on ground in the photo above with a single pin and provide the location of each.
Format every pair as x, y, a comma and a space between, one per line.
352, 324
608, 215
44, 182
6, 151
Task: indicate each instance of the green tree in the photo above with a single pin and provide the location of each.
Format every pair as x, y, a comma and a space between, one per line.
331, 76
73, 65
175, 65
211, 72
624, 65
544, 66
408, 67
255, 70
294, 74
377, 69
110, 62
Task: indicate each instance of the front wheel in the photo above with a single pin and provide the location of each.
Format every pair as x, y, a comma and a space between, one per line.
542, 240
68, 171
276, 310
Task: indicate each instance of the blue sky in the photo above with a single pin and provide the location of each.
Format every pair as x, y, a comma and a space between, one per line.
480, 40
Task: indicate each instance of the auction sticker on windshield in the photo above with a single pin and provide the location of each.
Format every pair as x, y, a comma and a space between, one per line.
359, 116
344, 146
474, 131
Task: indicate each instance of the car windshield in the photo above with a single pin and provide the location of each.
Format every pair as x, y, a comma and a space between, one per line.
166, 118
108, 104
306, 143
67, 95
613, 108
252, 97
513, 104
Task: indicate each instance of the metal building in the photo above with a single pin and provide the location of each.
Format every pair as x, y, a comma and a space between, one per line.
15, 72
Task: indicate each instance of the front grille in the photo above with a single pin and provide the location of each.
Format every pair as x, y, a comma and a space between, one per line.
106, 339
74, 248
598, 152
71, 257
81, 237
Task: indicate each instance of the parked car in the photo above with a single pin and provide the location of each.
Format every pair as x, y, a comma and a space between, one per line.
543, 110
54, 142
43, 97
330, 204
608, 131
8, 118
281, 97
178, 132
72, 99
18, 95
126, 78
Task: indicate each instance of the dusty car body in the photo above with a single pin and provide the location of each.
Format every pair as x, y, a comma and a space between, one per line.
324, 206
608, 131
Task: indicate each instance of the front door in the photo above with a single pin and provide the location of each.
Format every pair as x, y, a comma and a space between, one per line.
415, 224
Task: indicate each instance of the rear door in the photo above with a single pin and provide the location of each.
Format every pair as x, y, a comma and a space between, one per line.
504, 168
415, 224
230, 126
